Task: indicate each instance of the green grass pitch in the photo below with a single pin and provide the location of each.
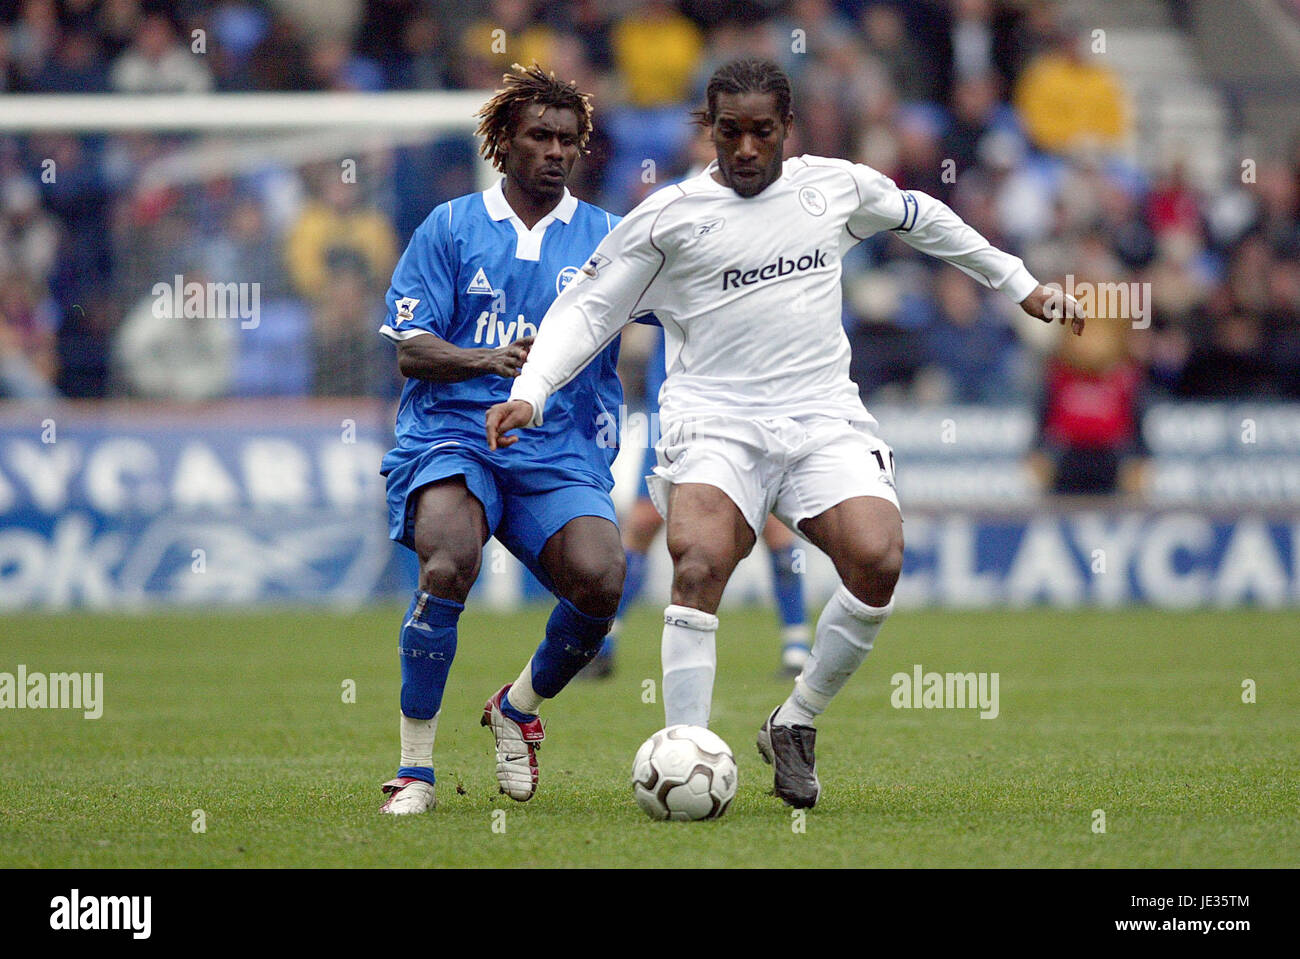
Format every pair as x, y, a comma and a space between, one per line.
241, 715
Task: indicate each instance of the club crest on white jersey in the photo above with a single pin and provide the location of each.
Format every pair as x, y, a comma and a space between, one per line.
480, 284
812, 200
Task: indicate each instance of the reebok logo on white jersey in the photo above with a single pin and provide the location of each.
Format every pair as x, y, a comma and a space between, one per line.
735, 279
480, 284
712, 226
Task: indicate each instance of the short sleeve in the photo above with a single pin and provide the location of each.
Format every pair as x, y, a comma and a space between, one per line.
422, 296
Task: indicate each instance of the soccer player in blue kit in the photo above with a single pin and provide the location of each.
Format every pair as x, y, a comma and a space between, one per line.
466, 296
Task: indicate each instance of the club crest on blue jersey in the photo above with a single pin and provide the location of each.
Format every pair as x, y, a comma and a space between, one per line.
564, 278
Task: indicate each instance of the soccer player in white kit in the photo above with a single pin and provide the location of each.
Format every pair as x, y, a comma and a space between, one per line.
741, 265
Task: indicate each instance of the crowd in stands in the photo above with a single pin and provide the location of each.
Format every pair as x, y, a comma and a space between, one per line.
1002, 109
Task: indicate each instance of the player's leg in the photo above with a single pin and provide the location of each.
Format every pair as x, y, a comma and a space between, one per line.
448, 530
787, 588
708, 536
568, 538
839, 493
864, 538
639, 528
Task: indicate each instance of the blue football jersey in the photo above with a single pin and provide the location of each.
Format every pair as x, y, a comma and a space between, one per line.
474, 276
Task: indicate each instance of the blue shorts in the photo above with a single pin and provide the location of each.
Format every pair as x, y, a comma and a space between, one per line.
525, 504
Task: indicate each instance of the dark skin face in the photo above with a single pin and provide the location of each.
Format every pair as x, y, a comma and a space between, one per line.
538, 158
749, 135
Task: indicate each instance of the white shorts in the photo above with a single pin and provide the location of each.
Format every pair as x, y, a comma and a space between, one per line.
793, 467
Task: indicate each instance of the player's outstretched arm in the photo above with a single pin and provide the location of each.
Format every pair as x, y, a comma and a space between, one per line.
608, 293
431, 358
930, 226
1048, 304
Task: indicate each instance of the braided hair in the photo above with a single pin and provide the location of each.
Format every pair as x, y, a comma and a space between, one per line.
498, 116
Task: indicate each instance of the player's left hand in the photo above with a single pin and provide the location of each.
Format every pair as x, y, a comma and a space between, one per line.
1047, 305
504, 417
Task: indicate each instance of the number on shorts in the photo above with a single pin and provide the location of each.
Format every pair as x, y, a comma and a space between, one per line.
881, 460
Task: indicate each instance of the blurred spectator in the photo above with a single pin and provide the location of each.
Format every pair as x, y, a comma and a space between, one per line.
158, 63
885, 33
27, 360
77, 67
508, 33
969, 343
1069, 100
334, 66
656, 52
349, 359
1090, 441
421, 63
33, 39
1230, 361
237, 29
29, 239
336, 227
119, 21
159, 355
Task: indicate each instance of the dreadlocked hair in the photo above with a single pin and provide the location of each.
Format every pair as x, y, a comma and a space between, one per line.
523, 86
748, 75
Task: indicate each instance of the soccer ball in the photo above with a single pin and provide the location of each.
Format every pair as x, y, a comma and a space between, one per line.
684, 772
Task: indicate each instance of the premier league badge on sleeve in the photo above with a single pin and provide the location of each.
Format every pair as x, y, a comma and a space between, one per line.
594, 265
405, 310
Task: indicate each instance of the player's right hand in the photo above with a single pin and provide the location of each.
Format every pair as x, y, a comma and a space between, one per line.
509, 360
504, 417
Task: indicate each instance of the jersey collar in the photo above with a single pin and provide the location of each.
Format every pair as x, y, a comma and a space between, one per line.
498, 207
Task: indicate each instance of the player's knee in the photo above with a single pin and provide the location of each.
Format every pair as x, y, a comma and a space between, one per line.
696, 575
876, 563
449, 573
595, 584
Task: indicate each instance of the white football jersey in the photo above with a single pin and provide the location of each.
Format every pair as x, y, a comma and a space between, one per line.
748, 289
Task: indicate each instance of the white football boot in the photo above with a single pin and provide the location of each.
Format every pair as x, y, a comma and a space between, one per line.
407, 795
517, 745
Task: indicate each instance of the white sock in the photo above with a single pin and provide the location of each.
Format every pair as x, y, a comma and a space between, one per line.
690, 658
846, 632
521, 694
417, 740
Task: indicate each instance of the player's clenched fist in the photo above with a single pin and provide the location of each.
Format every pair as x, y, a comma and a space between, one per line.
503, 418
509, 360
1048, 304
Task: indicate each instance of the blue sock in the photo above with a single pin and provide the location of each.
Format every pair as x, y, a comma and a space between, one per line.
572, 641
788, 586
632, 583
509, 711
426, 646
